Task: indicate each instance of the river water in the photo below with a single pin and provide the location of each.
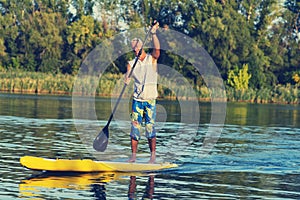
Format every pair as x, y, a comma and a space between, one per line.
256, 156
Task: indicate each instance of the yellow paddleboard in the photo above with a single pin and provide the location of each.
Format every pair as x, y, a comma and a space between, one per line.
87, 165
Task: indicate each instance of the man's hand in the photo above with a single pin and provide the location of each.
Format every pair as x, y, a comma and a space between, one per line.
154, 27
126, 80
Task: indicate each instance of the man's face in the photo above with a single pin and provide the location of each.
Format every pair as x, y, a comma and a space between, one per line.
136, 45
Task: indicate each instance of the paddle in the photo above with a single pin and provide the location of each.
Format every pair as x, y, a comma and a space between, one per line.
101, 141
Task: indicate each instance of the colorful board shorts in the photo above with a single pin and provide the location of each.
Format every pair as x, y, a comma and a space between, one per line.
143, 110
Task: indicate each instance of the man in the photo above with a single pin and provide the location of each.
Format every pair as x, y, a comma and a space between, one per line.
145, 93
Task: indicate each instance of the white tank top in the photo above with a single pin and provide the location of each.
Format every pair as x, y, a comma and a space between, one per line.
145, 79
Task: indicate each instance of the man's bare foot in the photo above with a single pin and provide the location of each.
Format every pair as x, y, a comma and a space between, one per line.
152, 158
133, 158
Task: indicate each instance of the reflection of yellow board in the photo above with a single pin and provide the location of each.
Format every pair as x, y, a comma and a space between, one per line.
87, 165
34, 186
78, 180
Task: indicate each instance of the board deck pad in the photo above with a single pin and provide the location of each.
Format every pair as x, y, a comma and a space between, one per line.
88, 165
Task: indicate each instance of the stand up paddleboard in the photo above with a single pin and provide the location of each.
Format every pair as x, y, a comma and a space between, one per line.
87, 165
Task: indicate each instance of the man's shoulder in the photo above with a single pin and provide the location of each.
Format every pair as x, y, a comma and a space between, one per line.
131, 61
149, 56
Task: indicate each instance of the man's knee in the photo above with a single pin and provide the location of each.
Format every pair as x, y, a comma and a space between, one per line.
135, 137
150, 131
135, 130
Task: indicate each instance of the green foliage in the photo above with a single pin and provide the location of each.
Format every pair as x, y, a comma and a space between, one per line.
296, 78
239, 80
249, 95
35, 82
111, 84
80, 35
55, 36
287, 93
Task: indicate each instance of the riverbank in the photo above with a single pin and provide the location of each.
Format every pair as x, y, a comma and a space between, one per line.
110, 85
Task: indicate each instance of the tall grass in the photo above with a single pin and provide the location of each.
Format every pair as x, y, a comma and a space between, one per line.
111, 85
29, 82
288, 93
279, 94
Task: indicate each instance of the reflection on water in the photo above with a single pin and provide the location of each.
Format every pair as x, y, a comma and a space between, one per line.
86, 184
263, 115
149, 190
256, 157
216, 185
56, 107
94, 185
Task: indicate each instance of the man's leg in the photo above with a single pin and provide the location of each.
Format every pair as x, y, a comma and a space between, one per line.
152, 147
150, 115
134, 145
136, 120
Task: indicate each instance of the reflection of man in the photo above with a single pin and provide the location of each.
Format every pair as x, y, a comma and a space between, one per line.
145, 93
149, 188
99, 191
148, 192
132, 187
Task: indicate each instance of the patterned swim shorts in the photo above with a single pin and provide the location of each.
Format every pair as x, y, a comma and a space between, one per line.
143, 110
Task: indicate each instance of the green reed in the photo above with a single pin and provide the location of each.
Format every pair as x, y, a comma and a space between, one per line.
110, 85
35, 82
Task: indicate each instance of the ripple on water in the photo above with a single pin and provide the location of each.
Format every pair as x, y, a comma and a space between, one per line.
252, 161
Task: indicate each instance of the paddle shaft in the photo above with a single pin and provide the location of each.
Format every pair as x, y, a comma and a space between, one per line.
129, 75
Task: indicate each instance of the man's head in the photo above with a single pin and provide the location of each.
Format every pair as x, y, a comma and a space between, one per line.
136, 45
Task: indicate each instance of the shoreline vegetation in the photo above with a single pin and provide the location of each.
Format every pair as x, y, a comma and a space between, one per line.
44, 44
254, 47
21, 82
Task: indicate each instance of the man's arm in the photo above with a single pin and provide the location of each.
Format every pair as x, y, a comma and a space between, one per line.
156, 44
127, 78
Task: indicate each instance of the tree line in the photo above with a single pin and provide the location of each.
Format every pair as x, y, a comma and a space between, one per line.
254, 43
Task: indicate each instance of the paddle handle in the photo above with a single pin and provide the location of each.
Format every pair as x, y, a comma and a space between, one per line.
129, 75
115, 108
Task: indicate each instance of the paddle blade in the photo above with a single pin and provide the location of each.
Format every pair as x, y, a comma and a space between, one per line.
101, 141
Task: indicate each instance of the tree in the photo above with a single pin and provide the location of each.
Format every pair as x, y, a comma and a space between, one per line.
12, 14
41, 36
290, 41
82, 36
55, 36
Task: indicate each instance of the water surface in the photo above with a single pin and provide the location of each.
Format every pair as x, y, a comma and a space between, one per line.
256, 157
